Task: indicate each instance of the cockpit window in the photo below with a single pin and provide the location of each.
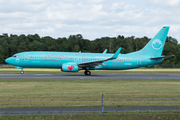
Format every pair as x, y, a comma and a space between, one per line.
15, 56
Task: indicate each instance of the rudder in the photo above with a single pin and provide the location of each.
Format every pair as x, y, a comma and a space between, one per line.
156, 44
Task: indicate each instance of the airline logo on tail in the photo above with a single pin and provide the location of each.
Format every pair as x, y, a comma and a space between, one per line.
157, 44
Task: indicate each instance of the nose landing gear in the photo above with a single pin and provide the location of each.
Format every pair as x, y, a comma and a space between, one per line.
22, 72
87, 72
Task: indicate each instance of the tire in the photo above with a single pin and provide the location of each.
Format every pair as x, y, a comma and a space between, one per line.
85, 72
88, 73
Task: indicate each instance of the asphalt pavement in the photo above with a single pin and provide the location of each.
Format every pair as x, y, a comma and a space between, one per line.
27, 111
93, 76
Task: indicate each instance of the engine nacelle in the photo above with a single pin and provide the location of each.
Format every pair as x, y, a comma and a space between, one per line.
69, 67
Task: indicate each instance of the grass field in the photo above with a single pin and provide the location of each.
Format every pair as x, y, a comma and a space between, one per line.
93, 117
58, 71
87, 89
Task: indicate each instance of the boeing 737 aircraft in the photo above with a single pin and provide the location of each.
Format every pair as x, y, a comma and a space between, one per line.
74, 61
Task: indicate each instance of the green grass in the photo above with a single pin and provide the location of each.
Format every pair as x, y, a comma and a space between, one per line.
93, 117
87, 89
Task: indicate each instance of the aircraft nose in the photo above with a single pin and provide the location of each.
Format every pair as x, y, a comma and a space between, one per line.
8, 60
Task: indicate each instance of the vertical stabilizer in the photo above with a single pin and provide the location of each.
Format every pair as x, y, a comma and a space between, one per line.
155, 46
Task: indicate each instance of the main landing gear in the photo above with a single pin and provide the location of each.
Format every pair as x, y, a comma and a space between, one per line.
87, 72
22, 72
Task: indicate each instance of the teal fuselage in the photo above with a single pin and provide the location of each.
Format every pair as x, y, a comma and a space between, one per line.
56, 59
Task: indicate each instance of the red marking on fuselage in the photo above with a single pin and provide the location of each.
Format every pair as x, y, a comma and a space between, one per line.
47, 56
70, 67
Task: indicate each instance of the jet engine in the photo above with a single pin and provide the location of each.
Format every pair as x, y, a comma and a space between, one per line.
69, 67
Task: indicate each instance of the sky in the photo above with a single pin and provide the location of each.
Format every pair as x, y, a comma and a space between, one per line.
90, 18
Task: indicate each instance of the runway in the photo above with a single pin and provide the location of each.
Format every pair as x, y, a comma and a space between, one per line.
27, 111
93, 76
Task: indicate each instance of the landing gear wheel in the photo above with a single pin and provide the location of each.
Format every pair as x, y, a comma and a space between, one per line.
22, 72
87, 72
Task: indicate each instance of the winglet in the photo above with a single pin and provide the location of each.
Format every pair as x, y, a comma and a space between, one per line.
105, 51
116, 54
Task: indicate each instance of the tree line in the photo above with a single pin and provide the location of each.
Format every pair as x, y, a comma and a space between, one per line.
11, 44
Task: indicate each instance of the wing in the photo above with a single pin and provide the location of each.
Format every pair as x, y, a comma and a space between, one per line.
98, 62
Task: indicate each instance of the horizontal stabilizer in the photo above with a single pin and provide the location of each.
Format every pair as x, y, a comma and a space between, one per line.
162, 57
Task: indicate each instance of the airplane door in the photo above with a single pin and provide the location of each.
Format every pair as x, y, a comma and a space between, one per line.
26, 57
139, 61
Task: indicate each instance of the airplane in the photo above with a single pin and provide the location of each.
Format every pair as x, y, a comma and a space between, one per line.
75, 61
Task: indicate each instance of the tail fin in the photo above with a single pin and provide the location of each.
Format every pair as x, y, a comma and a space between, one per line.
155, 46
